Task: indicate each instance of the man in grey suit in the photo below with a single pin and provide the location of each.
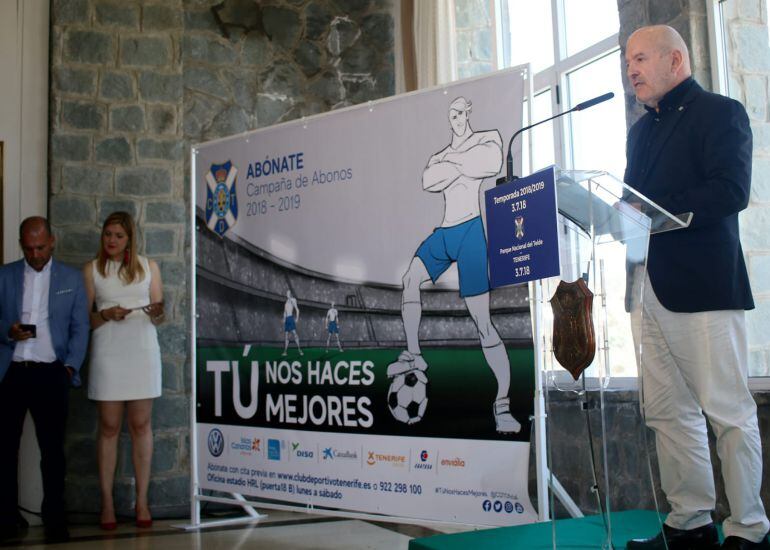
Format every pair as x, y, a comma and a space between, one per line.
43, 340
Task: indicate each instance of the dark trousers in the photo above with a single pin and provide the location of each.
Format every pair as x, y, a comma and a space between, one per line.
43, 390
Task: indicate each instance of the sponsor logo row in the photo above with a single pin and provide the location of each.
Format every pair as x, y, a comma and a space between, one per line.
283, 450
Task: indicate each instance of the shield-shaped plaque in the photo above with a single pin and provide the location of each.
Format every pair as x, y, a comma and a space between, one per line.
574, 340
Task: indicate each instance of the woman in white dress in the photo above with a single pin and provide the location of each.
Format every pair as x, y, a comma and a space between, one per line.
125, 365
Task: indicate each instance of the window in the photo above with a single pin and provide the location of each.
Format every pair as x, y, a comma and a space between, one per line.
573, 48
739, 37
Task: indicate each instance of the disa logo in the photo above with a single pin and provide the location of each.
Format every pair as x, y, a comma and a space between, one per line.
216, 442
301, 453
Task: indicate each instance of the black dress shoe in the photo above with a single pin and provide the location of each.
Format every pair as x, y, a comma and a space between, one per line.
56, 533
702, 538
21, 522
10, 532
738, 543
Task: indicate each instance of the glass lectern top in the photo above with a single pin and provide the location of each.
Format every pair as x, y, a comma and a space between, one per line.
608, 209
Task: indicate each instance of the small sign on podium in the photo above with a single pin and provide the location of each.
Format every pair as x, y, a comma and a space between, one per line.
522, 237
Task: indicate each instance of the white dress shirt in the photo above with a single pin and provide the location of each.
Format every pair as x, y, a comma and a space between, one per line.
34, 311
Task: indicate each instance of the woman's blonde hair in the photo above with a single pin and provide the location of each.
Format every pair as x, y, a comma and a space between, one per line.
130, 269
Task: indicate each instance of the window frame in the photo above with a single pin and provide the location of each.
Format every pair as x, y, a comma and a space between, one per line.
555, 77
720, 81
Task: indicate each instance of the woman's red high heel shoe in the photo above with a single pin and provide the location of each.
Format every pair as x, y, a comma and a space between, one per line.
143, 523
108, 525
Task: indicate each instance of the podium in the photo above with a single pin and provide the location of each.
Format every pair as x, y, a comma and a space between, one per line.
602, 228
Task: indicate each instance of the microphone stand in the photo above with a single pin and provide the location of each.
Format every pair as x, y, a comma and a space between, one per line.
579, 107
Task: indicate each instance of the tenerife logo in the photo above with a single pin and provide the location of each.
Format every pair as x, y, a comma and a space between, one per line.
423, 464
273, 449
386, 458
221, 199
328, 454
216, 442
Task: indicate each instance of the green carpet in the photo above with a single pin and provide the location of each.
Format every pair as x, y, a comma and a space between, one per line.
583, 533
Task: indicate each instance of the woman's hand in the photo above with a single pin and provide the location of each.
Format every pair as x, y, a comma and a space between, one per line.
114, 313
155, 311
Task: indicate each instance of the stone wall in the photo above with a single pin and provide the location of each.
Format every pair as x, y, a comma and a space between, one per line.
688, 17
133, 85
116, 144
475, 35
630, 485
748, 59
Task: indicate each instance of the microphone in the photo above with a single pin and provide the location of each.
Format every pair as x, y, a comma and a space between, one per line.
579, 107
592, 102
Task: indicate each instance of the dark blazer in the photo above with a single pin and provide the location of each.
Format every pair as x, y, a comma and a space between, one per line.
703, 166
67, 314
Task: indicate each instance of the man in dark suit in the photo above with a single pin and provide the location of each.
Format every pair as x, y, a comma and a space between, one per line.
43, 340
691, 152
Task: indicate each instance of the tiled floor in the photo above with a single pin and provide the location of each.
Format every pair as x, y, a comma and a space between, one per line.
280, 531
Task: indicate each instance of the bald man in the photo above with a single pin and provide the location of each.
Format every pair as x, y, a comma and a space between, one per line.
691, 152
43, 340
457, 171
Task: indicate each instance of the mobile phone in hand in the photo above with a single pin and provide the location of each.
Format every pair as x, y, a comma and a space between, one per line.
29, 328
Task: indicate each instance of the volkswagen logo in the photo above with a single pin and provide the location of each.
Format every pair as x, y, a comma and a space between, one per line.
216, 442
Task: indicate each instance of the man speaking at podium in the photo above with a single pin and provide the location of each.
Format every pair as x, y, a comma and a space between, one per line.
691, 152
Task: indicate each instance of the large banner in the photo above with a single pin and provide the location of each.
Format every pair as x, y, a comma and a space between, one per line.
350, 351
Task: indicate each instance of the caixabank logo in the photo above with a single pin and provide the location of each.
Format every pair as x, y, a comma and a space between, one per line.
216, 442
333, 453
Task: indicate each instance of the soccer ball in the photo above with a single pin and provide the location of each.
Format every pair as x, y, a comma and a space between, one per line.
407, 396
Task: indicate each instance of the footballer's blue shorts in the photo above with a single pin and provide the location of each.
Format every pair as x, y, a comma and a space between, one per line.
333, 328
464, 244
289, 325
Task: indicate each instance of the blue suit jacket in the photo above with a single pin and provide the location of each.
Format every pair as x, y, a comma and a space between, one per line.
67, 310
703, 166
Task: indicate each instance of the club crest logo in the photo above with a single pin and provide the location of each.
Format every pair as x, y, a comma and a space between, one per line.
221, 199
519, 226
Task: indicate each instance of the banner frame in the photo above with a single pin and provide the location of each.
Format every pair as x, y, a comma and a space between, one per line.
543, 477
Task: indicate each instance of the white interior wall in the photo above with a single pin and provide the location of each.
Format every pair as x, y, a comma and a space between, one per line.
24, 31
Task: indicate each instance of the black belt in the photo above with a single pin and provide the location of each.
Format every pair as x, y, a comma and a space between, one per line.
35, 364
